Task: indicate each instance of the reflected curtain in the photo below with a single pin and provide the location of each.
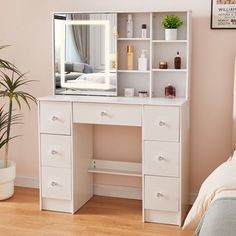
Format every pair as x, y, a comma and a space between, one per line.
81, 37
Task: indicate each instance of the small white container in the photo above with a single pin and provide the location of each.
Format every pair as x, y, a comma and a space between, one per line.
129, 92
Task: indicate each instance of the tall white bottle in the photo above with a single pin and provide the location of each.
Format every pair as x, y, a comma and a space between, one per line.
142, 61
129, 27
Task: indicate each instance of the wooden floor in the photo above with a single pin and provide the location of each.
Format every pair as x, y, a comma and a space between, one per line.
20, 216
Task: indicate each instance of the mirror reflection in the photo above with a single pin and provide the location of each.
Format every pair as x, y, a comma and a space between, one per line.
85, 53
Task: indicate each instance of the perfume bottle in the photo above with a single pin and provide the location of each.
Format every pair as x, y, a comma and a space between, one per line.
129, 27
170, 91
177, 61
130, 58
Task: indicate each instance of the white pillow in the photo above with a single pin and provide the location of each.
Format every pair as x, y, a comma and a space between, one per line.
223, 178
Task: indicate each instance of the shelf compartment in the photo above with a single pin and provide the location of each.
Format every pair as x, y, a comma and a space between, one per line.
158, 29
138, 18
138, 81
115, 168
167, 52
161, 80
137, 50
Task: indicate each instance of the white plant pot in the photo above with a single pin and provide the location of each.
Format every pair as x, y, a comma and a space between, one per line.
170, 34
7, 178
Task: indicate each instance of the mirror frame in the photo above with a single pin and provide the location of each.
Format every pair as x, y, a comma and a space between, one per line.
104, 23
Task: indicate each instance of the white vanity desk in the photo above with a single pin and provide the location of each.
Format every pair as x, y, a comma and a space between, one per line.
66, 152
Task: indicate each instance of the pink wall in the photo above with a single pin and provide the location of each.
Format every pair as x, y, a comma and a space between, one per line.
26, 25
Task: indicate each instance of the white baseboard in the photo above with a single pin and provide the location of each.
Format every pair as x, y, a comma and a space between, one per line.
117, 191
28, 182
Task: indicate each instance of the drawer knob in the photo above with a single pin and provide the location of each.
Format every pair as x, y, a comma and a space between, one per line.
54, 118
161, 158
53, 184
162, 123
159, 195
103, 113
54, 152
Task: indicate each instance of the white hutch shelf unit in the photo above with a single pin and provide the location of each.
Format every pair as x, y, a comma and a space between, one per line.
67, 161
154, 80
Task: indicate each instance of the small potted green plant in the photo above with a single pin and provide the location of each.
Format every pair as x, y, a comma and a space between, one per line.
12, 83
171, 23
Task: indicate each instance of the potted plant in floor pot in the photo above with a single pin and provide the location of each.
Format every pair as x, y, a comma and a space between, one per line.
171, 24
12, 82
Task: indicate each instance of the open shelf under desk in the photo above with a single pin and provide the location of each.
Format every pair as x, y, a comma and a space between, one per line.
115, 168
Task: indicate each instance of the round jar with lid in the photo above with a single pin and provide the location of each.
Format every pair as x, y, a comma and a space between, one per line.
163, 65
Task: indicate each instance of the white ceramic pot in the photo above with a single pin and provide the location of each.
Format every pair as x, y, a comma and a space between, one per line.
170, 34
7, 178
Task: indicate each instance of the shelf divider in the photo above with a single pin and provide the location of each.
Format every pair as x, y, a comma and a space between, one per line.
133, 71
169, 70
169, 41
133, 39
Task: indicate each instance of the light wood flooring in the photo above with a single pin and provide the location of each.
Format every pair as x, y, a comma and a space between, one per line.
20, 216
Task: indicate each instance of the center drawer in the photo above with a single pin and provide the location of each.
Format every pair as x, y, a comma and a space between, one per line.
111, 114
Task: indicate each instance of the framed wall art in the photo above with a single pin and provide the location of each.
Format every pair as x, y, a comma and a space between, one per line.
223, 14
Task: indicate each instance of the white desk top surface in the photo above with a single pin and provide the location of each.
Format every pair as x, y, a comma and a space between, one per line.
116, 100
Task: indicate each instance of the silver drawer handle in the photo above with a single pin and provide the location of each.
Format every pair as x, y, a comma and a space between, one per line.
103, 113
161, 158
54, 152
159, 195
54, 118
162, 123
53, 184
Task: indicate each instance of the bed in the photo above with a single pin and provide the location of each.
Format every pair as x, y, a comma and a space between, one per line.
219, 219
214, 211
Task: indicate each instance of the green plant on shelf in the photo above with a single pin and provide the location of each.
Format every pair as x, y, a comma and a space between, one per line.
172, 22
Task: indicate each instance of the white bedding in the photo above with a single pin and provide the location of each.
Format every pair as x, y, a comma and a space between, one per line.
96, 78
220, 183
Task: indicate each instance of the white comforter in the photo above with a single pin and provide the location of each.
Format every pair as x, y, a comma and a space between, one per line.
220, 183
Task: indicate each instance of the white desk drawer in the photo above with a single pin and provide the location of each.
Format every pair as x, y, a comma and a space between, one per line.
55, 150
55, 117
161, 123
161, 158
161, 193
111, 114
56, 183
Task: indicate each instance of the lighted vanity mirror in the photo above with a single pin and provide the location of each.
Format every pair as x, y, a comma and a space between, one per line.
85, 53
